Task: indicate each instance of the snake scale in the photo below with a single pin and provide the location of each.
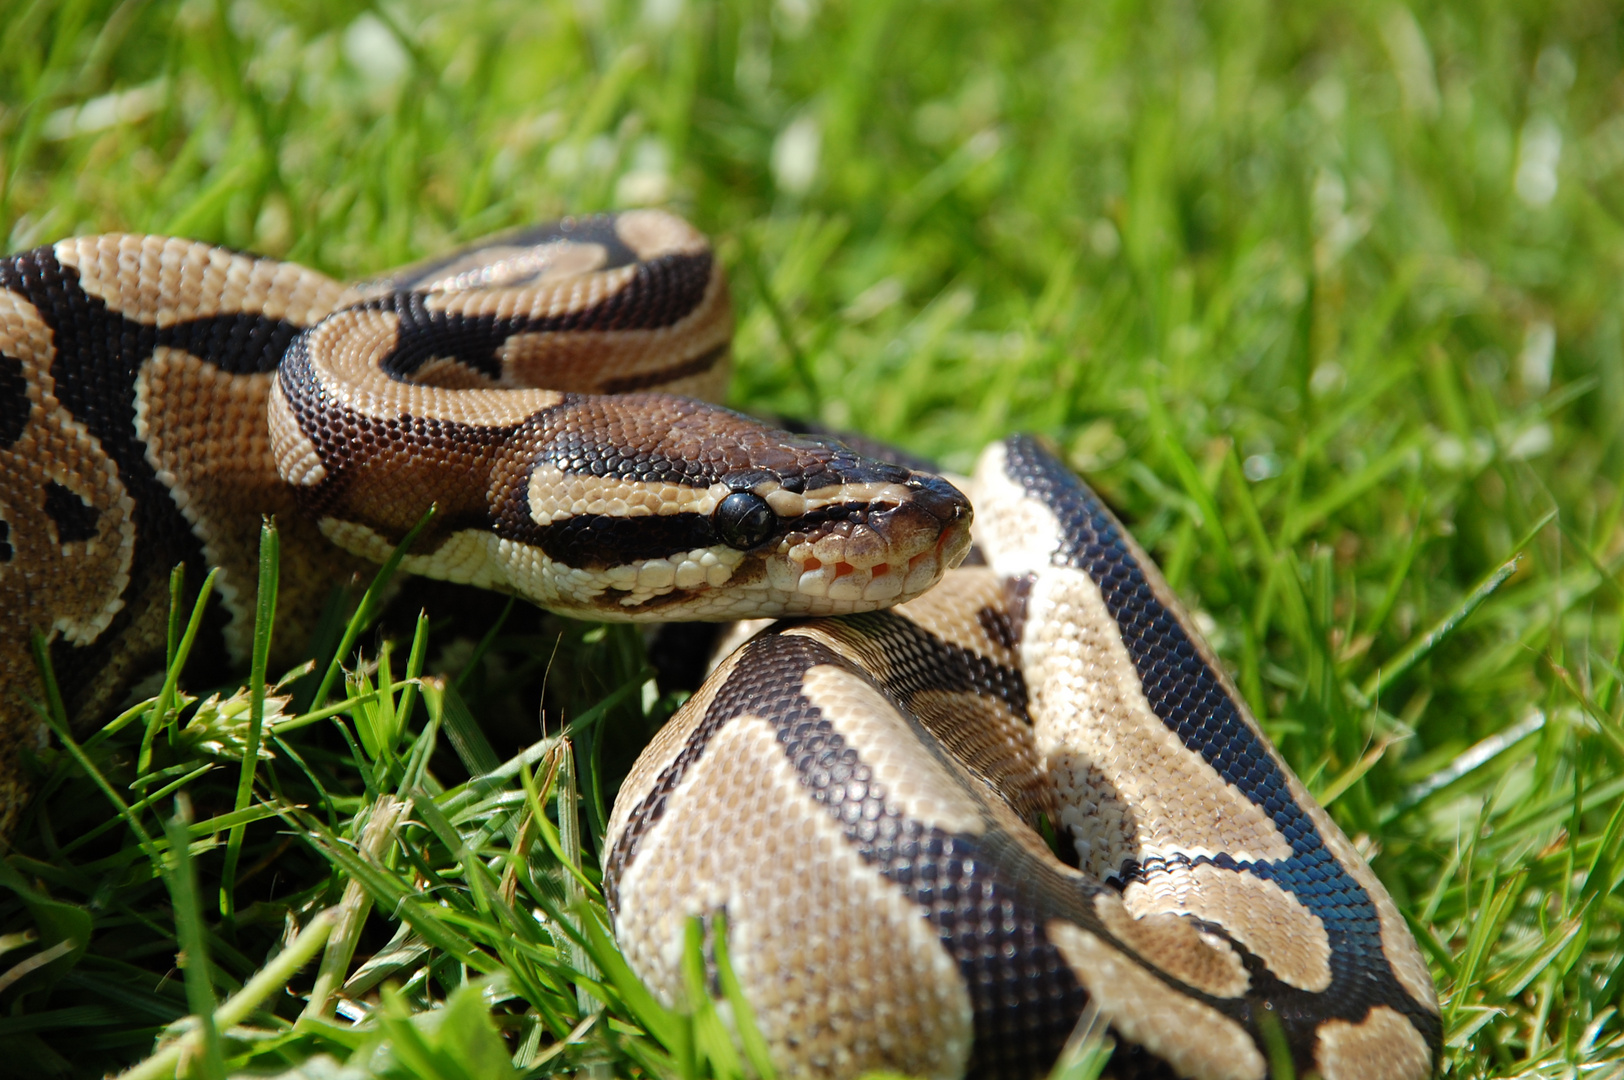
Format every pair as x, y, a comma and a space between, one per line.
859, 788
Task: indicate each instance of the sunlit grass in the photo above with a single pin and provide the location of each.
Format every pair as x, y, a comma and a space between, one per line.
1322, 296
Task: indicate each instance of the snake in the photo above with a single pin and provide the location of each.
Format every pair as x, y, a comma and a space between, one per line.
971, 793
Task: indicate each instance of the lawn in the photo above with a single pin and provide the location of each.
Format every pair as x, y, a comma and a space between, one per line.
1323, 296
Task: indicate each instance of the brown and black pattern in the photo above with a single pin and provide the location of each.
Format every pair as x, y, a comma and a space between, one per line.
92, 526
1332, 941
975, 873
159, 397
919, 739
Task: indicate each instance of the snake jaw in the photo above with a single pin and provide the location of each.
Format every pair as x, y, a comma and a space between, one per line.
876, 553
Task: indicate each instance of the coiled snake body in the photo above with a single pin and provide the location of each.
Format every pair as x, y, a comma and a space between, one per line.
858, 794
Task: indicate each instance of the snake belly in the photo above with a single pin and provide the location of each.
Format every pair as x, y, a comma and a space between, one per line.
856, 796
159, 397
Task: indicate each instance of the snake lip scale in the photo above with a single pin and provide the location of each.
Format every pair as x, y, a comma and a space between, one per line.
855, 787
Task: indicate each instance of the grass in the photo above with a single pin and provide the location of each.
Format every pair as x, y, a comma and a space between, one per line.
1323, 296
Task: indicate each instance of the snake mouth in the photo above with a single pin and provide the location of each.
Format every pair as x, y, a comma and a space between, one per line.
861, 556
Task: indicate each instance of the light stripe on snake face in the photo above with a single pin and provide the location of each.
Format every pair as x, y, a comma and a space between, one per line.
617, 496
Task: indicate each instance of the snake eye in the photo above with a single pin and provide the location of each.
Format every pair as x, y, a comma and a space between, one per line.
744, 520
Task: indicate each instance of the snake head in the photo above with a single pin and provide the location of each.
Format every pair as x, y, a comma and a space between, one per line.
666, 508
851, 534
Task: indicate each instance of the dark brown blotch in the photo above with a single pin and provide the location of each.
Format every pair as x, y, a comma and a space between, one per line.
74, 518
14, 404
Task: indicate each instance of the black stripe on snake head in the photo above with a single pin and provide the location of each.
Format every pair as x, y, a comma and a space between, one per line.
639, 455
614, 481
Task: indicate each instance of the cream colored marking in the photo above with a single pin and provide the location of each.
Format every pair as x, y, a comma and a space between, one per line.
1098, 733
467, 557
548, 299
1174, 944
556, 496
159, 281
449, 373
663, 749
1022, 535
1018, 533
1262, 916
913, 779
1398, 944
26, 337
505, 265
476, 557
347, 348
844, 974
1384, 1046
642, 581
296, 458
1128, 786
785, 503
652, 233
792, 504
1193, 1037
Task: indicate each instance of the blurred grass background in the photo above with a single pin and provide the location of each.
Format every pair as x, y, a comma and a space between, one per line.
1324, 296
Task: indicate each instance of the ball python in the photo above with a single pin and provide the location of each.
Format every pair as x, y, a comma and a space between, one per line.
855, 788
159, 396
